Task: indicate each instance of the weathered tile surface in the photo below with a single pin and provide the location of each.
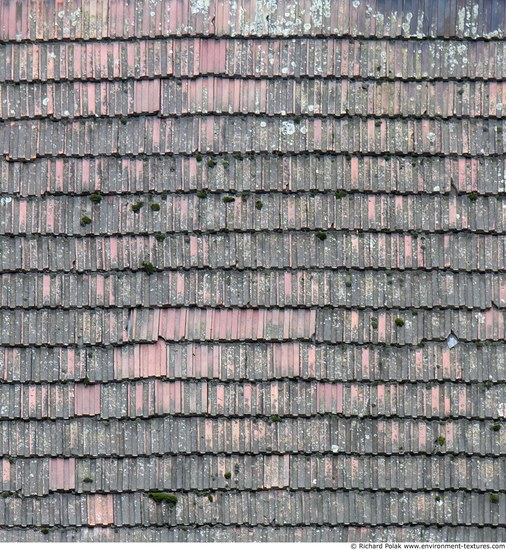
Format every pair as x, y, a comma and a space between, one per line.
252, 253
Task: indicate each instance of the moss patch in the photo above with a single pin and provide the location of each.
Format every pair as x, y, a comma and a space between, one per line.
148, 267
169, 498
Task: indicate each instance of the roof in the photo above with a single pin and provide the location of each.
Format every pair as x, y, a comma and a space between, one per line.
253, 255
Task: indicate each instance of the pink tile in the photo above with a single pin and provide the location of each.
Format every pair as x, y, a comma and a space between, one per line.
100, 509
87, 400
62, 474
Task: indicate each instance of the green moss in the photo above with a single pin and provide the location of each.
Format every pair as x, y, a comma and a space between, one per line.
85, 220
276, 418
472, 196
399, 322
169, 498
297, 119
137, 206
198, 157
87, 480
441, 440
321, 235
211, 163
495, 427
210, 498
228, 199
5, 494
341, 194
374, 323
238, 156
348, 280
44, 530
155, 207
227, 475
96, 198
202, 194
494, 498
259, 205
437, 499
148, 267
86, 380
160, 236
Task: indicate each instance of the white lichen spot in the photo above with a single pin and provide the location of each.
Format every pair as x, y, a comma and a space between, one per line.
199, 6
319, 10
356, 3
334, 448
461, 20
499, 106
407, 22
310, 108
61, 14
284, 70
45, 101
380, 18
263, 124
493, 34
474, 28
431, 136
287, 128
5, 200
303, 130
